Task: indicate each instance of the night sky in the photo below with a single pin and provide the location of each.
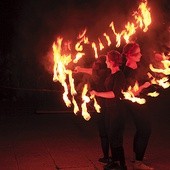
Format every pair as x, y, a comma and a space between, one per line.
29, 27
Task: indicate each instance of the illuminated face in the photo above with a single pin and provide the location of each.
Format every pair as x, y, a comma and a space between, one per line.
108, 62
135, 55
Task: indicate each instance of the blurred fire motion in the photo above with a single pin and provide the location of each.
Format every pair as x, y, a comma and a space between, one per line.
62, 58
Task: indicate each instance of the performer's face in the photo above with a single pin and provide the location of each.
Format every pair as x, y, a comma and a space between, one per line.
135, 55
110, 63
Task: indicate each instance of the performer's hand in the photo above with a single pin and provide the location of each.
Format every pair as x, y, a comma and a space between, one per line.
77, 69
93, 92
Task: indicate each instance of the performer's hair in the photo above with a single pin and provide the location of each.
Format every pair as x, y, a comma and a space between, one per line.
115, 56
129, 48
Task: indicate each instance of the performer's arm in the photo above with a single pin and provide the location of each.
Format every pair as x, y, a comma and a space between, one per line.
79, 69
109, 94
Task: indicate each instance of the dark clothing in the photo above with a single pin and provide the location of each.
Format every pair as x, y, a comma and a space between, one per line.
97, 83
98, 79
102, 131
116, 83
138, 112
140, 75
115, 116
142, 121
133, 75
111, 118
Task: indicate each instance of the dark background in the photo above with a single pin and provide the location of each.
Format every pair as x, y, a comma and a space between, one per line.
28, 29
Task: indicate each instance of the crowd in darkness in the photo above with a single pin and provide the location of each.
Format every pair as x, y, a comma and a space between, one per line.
28, 29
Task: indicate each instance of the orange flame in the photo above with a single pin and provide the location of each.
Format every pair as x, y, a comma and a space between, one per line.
107, 38
130, 94
153, 94
164, 70
166, 64
118, 35
79, 47
86, 100
163, 82
64, 75
61, 73
101, 46
96, 105
95, 49
78, 56
60, 69
131, 29
76, 108
143, 16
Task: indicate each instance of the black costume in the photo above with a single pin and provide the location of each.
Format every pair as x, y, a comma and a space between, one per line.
115, 116
99, 74
139, 112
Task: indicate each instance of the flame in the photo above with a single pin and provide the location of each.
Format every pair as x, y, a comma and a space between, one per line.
95, 49
60, 69
101, 46
143, 19
143, 16
96, 105
131, 29
61, 73
86, 100
79, 47
118, 35
78, 56
62, 57
130, 94
76, 108
163, 82
153, 94
166, 66
164, 70
107, 38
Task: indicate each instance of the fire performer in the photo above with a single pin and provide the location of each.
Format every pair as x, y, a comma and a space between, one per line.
99, 72
115, 119
99, 75
138, 112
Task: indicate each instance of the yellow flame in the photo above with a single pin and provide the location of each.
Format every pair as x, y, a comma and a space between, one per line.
61, 73
118, 35
107, 38
86, 100
165, 71
79, 55
130, 30
76, 108
96, 105
60, 69
101, 46
166, 66
163, 82
153, 94
129, 94
64, 76
95, 49
143, 16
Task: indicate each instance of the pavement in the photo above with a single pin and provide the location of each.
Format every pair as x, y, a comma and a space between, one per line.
34, 140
